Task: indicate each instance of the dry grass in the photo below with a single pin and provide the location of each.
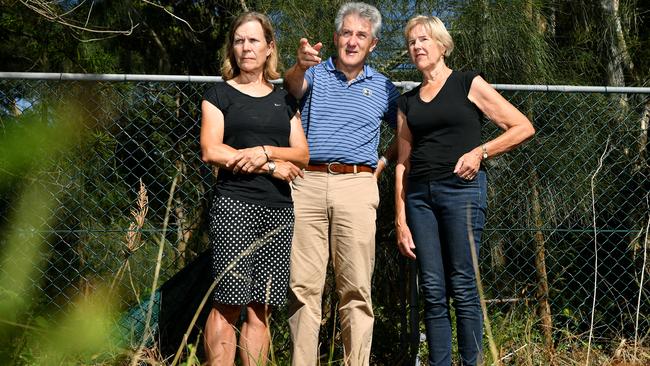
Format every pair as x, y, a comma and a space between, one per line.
133, 238
527, 348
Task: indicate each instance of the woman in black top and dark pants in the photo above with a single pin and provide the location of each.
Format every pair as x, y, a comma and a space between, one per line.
440, 186
251, 131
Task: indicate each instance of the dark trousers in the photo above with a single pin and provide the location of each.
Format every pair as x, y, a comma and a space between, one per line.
440, 215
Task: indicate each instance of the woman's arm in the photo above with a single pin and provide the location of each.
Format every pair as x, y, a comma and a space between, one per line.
297, 152
389, 155
290, 160
213, 150
516, 126
405, 242
252, 159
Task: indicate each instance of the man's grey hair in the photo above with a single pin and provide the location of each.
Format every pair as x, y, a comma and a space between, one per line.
363, 10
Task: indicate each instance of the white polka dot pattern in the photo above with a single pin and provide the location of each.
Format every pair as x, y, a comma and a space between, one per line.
251, 248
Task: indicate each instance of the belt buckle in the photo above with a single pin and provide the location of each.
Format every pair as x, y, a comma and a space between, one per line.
329, 167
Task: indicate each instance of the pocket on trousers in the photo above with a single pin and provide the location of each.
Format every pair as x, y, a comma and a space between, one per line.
296, 183
466, 182
376, 190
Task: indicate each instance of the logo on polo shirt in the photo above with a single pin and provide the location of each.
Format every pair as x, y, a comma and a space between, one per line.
367, 92
277, 104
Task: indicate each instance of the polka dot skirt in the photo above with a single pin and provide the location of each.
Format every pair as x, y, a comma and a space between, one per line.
251, 248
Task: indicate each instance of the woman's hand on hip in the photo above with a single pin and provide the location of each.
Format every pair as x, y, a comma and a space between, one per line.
405, 242
468, 165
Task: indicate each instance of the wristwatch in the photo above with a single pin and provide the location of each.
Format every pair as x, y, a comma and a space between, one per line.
484, 149
271, 167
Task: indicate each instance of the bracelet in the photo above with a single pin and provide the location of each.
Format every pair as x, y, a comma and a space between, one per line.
265, 153
384, 159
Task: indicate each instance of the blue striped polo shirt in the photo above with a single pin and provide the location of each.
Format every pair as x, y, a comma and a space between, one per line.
341, 119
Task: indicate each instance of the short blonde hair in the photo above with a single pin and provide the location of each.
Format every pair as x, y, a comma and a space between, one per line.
434, 28
229, 68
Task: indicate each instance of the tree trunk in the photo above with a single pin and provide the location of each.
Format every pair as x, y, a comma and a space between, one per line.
485, 43
642, 162
552, 21
164, 64
183, 232
182, 229
619, 56
544, 308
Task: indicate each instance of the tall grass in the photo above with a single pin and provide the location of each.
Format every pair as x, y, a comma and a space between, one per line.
83, 332
86, 331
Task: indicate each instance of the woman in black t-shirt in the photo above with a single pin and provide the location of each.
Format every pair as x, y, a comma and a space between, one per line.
251, 131
440, 186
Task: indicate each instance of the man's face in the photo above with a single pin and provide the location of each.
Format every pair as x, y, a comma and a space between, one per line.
354, 42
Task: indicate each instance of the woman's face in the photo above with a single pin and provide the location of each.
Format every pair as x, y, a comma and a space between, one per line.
424, 50
250, 47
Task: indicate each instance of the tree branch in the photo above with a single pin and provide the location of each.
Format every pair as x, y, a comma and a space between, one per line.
606, 152
170, 13
44, 9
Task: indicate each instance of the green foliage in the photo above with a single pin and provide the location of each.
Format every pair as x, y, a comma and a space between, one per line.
522, 41
296, 19
115, 36
192, 359
80, 334
504, 40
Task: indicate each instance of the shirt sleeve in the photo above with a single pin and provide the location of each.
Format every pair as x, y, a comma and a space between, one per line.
309, 76
468, 77
391, 111
402, 104
292, 104
212, 95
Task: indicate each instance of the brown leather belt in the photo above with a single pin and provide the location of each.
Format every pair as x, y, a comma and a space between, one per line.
339, 168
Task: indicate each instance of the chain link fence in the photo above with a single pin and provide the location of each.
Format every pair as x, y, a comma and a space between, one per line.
568, 216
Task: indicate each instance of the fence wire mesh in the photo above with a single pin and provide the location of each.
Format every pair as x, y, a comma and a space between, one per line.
568, 210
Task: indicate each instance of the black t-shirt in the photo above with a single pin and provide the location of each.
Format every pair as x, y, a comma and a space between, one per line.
443, 129
253, 121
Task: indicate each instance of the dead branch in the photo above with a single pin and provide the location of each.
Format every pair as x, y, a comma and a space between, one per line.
44, 9
89, 12
606, 152
170, 13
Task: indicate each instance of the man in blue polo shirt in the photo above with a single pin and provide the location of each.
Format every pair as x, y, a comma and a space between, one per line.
344, 101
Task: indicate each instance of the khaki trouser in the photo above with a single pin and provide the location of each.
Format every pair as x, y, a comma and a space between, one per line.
335, 215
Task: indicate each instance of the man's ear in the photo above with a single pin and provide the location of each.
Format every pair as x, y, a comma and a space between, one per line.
374, 44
